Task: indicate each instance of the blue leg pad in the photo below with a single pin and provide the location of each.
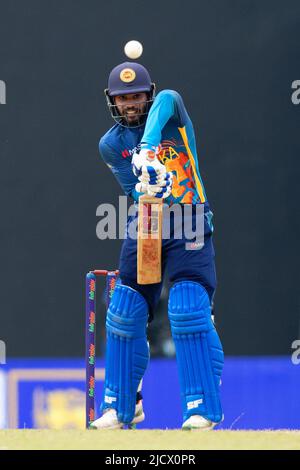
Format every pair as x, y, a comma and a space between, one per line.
127, 351
199, 351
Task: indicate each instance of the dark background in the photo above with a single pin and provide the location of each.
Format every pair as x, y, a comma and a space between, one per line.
233, 62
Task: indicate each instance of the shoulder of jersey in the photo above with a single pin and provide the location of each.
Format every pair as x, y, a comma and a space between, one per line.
110, 136
167, 92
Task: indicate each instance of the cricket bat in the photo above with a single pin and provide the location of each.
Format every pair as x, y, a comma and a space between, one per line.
149, 240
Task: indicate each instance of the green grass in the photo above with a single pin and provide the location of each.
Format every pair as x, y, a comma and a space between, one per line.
149, 440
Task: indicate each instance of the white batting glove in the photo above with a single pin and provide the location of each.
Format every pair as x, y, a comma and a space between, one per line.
162, 190
152, 175
147, 167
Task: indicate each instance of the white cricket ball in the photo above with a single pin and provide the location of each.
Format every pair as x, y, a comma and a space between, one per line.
133, 49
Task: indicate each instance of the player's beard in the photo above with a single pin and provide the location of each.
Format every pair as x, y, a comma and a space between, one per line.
134, 114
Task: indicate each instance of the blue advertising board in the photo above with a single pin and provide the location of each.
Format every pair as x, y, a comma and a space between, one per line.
257, 393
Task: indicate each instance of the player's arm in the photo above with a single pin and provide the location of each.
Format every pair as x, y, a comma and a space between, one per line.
167, 105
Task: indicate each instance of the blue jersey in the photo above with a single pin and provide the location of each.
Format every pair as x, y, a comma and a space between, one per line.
168, 125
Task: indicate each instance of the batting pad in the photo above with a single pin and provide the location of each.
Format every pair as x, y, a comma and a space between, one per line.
199, 351
127, 351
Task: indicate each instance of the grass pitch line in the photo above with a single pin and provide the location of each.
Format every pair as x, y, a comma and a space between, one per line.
149, 440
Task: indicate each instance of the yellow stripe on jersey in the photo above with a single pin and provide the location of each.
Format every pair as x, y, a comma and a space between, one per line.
192, 160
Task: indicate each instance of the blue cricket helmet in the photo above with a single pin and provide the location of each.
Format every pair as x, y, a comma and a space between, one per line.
129, 78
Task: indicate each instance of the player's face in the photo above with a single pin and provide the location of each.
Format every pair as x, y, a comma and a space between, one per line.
132, 106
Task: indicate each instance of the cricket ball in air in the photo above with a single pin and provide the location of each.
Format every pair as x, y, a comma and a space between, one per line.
133, 49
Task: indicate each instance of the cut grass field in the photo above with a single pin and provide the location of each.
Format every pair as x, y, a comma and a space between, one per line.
148, 440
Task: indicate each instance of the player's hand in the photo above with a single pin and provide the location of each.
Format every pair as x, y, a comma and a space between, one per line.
147, 167
162, 190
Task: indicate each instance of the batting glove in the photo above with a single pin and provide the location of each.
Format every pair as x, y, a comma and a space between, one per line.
147, 167
162, 190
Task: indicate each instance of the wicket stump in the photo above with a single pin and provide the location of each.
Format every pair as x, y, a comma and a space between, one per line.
90, 337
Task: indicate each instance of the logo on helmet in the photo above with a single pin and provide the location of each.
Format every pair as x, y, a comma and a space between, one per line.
127, 75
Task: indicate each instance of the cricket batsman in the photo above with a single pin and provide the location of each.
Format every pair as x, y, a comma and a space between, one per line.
152, 150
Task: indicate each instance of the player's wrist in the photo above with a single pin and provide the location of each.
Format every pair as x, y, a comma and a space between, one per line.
145, 146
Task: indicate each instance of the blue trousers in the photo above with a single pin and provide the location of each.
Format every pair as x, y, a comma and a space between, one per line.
180, 263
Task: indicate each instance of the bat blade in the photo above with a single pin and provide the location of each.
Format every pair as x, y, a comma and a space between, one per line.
149, 240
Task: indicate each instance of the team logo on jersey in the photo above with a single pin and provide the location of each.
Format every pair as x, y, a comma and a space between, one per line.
127, 75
